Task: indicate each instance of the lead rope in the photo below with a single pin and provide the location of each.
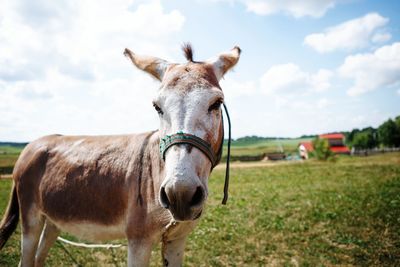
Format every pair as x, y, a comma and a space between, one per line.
226, 185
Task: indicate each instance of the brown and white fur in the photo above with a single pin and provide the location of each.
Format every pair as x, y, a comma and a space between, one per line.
109, 187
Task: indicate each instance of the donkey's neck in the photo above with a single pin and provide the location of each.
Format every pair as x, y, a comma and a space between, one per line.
148, 169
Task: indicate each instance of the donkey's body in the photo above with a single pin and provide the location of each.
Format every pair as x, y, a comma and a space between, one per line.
109, 187
90, 186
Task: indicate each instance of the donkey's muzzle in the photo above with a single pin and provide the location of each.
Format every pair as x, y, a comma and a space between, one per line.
184, 202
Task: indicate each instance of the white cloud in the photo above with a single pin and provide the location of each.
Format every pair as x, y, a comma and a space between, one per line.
282, 77
323, 103
353, 34
233, 88
372, 71
321, 81
290, 78
297, 9
62, 104
282, 101
62, 67
84, 36
381, 37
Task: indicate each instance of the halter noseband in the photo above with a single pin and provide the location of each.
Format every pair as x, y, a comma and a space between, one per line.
185, 138
204, 146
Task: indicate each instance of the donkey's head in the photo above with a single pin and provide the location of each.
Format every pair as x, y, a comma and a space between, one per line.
191, 130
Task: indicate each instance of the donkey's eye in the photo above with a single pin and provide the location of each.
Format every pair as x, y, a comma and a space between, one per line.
215, 106
158, 109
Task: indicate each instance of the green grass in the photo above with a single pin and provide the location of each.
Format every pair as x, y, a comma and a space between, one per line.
261, 147
9, 155
8, 149
343, 213
8, 159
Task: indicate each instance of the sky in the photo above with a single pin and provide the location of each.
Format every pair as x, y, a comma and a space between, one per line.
307, 67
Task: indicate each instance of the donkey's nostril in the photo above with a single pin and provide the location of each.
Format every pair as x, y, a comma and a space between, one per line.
197, 197
164, 198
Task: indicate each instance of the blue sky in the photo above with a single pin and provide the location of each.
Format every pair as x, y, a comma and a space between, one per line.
307, 67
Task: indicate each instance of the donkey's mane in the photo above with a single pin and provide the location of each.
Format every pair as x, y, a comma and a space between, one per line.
188, 51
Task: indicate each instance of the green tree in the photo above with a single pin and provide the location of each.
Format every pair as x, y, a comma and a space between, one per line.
350, 136
389, 133
321, 149
360, 140
397, 121
363, 139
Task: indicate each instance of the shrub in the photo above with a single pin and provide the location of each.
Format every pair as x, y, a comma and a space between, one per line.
321, 149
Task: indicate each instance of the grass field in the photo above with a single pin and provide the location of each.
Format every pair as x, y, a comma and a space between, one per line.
8, 156
343, 213
269, 146
11, 149
256, 150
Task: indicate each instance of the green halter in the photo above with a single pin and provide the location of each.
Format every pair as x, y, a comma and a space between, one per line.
204, 146
185, 138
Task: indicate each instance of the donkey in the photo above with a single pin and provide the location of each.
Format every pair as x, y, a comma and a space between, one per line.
147, 187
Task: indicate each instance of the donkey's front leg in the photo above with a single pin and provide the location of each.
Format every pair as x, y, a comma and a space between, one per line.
139, 252
172, 252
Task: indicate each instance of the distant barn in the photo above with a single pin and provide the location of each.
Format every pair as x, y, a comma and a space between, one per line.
336, 145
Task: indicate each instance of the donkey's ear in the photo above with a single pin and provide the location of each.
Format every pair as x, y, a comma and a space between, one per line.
155, 66
225, 61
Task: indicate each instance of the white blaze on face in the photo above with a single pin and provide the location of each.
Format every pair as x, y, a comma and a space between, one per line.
188, 112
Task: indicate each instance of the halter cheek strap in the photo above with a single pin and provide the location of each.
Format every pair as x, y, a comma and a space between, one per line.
204, 146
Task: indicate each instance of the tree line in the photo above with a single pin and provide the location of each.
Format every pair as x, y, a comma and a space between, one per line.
386, 135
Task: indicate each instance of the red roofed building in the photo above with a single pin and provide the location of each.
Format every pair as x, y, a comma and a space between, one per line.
336, 143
